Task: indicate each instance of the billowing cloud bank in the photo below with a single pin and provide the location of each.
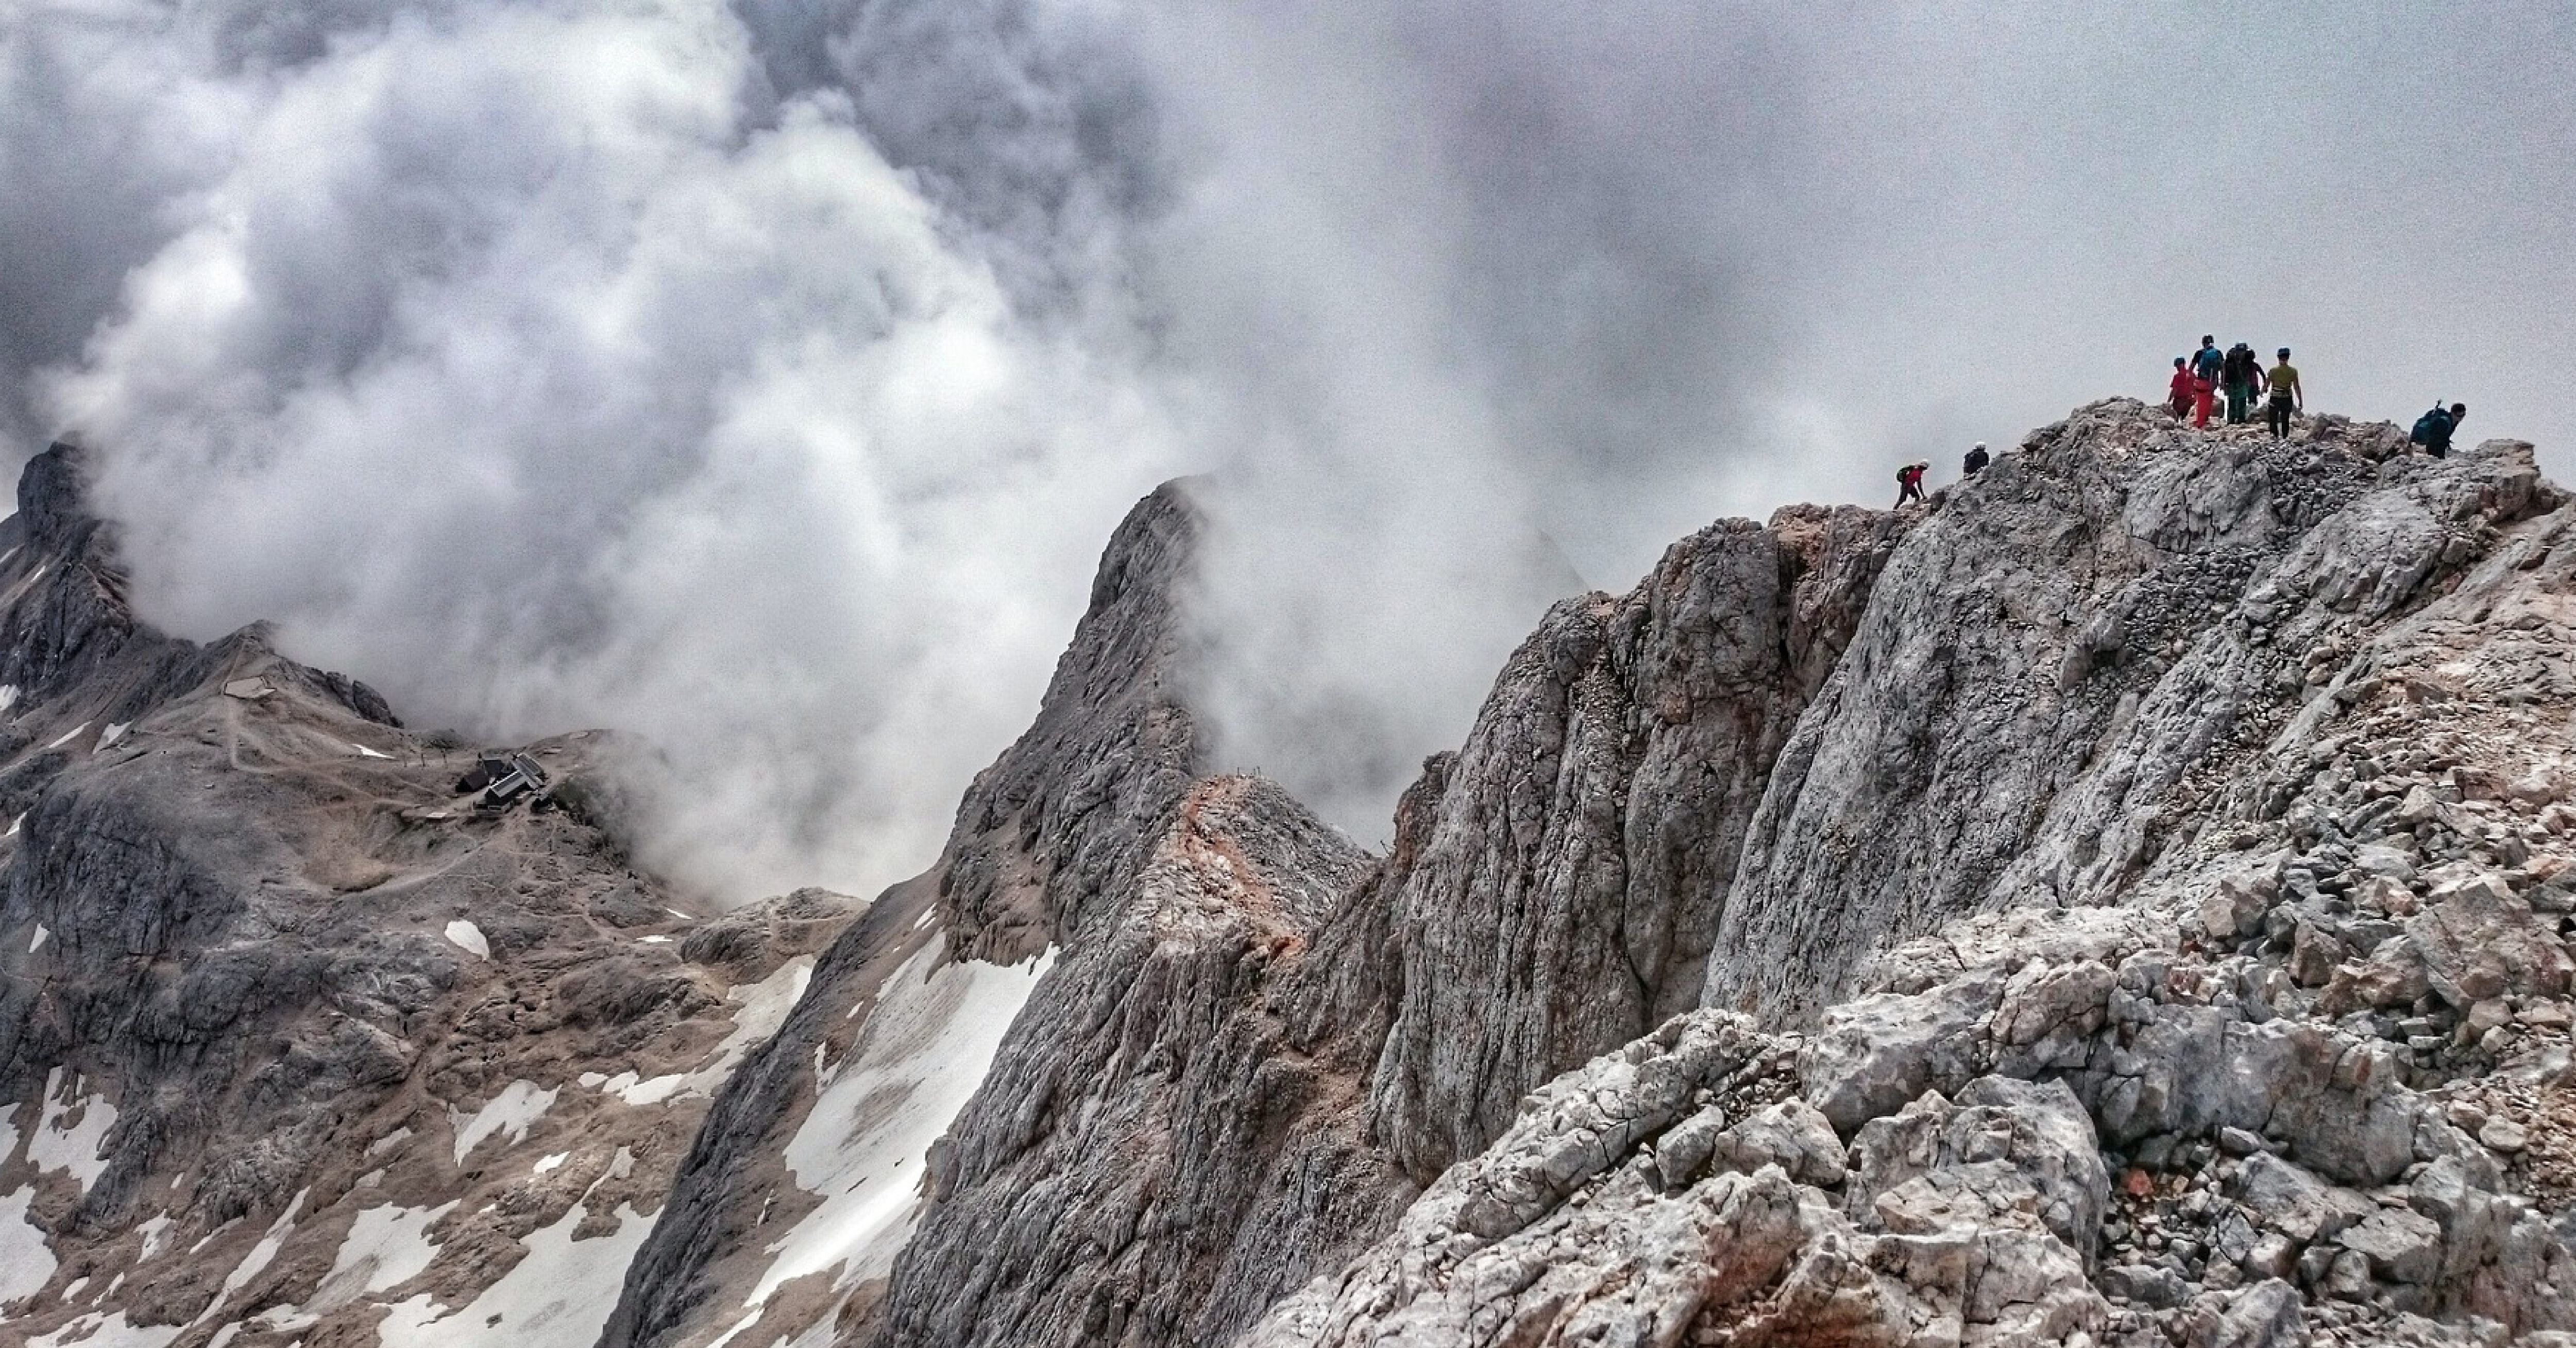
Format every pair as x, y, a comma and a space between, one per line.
764, 376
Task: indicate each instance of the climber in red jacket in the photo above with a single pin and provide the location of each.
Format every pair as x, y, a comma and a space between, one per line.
1909, 482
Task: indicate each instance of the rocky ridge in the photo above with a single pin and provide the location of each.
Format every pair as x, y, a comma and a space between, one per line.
2099, 675
2305, 1082
2123, 901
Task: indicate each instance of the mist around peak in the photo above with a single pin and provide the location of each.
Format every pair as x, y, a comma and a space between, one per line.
764, 377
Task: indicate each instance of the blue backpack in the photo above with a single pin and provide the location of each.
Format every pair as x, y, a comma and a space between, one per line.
2432, 428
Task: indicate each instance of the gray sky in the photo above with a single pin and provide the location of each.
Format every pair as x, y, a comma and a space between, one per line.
764, 376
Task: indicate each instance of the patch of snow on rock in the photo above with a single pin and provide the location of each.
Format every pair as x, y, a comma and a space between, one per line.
650, 1090
69, 736
864, 1144
68, 1136
260, 1256
469, 938
561, 1292
153, 1231
519, 1104
38, 943
386, 1247
115, 1331
107, 738
26, 1262
765, 1005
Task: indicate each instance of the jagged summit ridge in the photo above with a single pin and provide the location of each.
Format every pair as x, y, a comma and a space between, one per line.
2063, 671
2124, 900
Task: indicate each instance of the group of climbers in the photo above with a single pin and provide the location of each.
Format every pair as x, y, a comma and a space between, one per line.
2197, 382
2198, 379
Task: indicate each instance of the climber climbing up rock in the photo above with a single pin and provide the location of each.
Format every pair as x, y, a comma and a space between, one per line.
2433, 429
1909, 482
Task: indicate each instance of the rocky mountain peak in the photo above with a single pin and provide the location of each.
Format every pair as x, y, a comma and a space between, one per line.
2123, 900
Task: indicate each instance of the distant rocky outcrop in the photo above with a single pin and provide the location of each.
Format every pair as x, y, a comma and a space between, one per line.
296, 1043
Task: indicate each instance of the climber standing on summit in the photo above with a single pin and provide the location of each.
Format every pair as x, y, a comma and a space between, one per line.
2286, 396
2236, 375
1909, 483
2208, 361
2178, 393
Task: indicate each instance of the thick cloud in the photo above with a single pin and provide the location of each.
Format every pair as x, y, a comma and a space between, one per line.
764, 376
511, 364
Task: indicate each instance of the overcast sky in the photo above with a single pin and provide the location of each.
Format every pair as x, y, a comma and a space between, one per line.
765, 376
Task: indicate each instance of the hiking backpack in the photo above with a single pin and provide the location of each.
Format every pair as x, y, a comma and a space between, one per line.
2431, 427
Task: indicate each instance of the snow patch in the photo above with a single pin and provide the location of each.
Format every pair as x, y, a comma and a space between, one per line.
69, 735
69, 1136
864, 1144
561, 1292
550, 1162
107, 738
649, 1091
8, 691
152, 1231
655, 940
260, 1256
38, 943
26, 1262
90, 1331
388, 1139
386, 1247
746, 1322
469, 938
761, 1008
519, 1104
365, 752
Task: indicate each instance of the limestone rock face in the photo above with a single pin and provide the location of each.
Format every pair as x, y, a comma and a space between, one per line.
1581, 845
2223, 963
807, 1178
2065, 662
